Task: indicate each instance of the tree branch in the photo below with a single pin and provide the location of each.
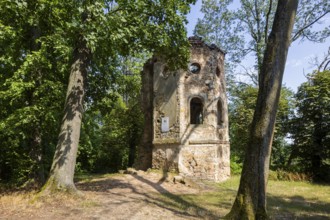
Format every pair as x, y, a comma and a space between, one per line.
300, 32
325, 62
267, 20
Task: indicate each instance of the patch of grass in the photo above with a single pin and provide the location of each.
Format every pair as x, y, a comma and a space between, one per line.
286, 200
194, 205
19, 205
289, 176
89, 204
210, 204
299, 199
87, 177
14, 201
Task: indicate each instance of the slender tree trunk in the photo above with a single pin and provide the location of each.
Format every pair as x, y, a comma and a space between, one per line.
36, 154
318, 135
64, 161
131, 154
250, 201
37, 176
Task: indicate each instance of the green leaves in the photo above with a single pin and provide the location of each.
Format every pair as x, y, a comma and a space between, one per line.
37, 40
245, 30
311, 126
311, 21
32, 91
241, 109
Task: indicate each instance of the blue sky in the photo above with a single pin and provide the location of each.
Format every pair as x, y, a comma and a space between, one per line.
298, 60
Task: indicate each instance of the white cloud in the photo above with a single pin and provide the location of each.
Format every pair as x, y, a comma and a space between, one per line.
294, 63
305, 62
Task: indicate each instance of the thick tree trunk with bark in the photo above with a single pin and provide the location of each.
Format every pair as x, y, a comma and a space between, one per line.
250, 201
64, 161
144, 150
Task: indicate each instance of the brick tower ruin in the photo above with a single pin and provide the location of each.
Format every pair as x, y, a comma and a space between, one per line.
188, 114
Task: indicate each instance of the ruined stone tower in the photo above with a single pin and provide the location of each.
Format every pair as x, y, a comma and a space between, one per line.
189, 115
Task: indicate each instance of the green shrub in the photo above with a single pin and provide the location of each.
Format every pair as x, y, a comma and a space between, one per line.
235, 167
288, 176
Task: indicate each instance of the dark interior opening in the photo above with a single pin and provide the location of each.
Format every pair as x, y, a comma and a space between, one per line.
196, 111
217, 72
220, 113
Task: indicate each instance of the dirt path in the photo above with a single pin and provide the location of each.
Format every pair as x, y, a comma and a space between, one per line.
129, 196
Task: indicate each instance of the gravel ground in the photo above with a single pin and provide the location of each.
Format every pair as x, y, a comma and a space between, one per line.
137, 195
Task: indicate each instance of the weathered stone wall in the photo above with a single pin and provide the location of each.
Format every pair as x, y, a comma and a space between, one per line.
208, 85
166, 101
204, 162
193, 149
166, 157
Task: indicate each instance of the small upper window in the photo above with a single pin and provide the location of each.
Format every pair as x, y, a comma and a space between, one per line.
194, 68
196, 111
166, 72
217, 72
220, 113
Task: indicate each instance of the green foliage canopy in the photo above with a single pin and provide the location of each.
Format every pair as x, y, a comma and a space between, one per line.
241, 109
37, 40
245, 29
33, 63
311, 127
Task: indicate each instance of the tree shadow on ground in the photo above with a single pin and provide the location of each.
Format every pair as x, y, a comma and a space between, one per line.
177, 202
213, 204
129, 192
297, 207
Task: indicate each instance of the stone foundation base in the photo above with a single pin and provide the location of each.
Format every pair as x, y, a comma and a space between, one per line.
165, 157
200, 161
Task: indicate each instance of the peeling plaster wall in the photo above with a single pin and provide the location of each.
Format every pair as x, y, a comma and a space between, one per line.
166, 101
194, 150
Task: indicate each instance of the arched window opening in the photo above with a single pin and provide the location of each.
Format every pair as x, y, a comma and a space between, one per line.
217, 72
196, 111
220, 113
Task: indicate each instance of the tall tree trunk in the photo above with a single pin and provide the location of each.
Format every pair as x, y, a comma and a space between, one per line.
144, 150
250, 201
37, 176
316, 159
64, 161
131, 154
36, 154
